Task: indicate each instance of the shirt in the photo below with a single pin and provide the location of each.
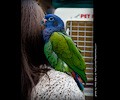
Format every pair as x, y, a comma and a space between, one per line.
56, 85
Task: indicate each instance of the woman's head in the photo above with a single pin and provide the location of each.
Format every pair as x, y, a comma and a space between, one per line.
31, 15
31, 44
31, 37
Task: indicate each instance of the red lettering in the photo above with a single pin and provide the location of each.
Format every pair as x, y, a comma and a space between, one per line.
85, 15
88, 15
82, 15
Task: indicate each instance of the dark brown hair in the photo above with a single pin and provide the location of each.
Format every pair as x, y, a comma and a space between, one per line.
32, 55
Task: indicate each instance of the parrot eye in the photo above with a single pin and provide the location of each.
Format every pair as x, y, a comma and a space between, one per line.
51, 19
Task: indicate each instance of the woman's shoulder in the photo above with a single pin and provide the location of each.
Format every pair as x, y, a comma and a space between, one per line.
57, 85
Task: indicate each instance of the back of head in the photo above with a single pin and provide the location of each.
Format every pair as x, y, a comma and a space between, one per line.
31, 15
31, 44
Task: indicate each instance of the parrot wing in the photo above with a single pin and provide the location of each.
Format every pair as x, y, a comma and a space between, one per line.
66, 50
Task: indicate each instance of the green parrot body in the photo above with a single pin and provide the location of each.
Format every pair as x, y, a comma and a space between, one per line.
62, 51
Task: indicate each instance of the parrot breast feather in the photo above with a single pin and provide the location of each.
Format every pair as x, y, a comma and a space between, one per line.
50, 55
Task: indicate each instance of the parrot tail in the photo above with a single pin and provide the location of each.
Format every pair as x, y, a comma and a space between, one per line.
77, 80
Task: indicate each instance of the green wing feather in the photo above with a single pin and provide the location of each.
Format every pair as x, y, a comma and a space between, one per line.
65, 49
53, 59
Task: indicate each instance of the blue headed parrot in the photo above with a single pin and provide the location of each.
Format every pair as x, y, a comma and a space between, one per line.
60, 50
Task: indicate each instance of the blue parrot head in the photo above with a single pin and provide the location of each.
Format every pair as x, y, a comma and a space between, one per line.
54, 21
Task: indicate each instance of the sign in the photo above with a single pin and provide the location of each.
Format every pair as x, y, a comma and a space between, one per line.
82, 14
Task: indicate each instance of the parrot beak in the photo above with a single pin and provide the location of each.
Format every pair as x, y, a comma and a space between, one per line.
43, 21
